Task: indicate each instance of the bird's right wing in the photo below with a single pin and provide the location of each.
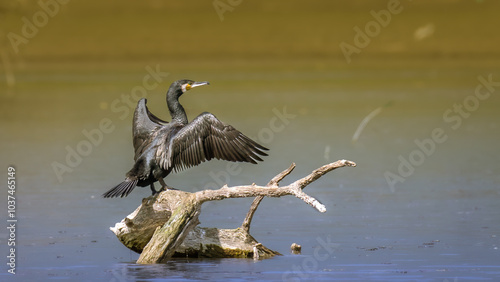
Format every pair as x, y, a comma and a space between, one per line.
144, 125
205, 138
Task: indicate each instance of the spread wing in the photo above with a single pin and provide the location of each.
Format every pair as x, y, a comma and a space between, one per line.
144, 126
205, 138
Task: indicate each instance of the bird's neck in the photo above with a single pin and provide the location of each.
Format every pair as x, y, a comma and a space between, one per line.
176, 110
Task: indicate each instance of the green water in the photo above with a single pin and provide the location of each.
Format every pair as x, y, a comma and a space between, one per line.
305, 116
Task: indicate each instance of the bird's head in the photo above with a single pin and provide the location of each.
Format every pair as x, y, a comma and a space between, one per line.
179, 87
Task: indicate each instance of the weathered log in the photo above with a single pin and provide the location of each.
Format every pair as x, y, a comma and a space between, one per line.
222, 243
164, 225
137, 228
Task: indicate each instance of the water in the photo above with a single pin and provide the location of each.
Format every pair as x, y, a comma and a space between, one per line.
441, 224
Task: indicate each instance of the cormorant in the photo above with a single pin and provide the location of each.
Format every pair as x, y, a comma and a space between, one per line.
162, 147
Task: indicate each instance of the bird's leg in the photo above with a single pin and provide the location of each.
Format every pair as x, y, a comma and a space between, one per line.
164, 185
153, 190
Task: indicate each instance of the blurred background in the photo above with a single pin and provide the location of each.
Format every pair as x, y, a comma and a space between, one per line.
314, 82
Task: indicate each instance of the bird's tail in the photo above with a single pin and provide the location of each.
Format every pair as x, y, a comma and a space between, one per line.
122, 189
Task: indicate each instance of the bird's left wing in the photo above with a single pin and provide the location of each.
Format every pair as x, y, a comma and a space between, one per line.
205, 138
144, 125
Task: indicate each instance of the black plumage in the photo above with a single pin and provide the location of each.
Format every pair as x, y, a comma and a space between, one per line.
162, 147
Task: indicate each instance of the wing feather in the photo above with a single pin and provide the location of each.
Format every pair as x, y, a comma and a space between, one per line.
206, 138
145, 124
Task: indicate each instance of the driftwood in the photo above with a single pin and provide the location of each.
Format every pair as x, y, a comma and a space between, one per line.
165, 224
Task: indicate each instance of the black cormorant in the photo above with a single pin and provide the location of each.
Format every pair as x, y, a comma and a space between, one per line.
162, 147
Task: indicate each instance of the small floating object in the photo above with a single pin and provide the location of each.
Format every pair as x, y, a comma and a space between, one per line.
296, 249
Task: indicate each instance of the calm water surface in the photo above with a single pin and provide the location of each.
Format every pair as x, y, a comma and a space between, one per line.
440, 221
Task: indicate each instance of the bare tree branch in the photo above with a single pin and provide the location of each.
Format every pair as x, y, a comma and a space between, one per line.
293, 189
159, 238
255, 204
281, 176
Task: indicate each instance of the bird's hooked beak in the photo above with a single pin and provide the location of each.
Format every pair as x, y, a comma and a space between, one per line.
196, 84
188, 86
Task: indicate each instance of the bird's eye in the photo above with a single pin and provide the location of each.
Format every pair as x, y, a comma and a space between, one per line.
185, 87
